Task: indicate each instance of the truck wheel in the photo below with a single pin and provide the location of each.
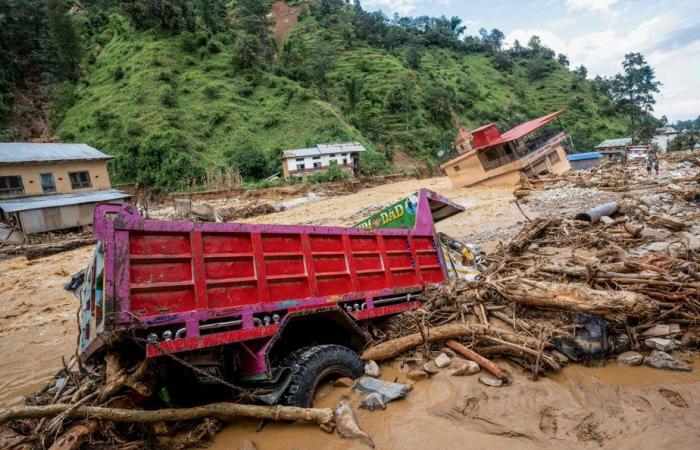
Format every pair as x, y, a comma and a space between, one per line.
312, 365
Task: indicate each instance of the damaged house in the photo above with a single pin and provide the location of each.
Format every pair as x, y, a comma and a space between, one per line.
488, 157
47, 187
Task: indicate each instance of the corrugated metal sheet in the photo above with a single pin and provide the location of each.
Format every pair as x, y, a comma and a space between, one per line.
70, 216
50, 201
21, 152
324, 149
32, 221
581, 156
618, 142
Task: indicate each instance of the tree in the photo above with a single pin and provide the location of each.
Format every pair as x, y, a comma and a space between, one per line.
634, 90
254, 39
65, 39
413, 57
171, 15
563, 60
581, 71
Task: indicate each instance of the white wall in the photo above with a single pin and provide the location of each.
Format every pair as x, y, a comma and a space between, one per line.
325, 160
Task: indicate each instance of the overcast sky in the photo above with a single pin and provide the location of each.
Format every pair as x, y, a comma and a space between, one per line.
595, 33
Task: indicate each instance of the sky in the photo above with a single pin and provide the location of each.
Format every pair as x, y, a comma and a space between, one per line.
595, 33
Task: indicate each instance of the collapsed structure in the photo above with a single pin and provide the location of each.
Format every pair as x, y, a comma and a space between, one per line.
488, 157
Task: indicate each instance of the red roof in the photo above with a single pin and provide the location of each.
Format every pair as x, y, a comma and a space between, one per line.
517, 132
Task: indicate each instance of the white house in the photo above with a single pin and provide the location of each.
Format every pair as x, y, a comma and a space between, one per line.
663, 137
305, 161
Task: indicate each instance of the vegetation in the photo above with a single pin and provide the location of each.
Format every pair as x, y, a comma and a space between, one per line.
177, 88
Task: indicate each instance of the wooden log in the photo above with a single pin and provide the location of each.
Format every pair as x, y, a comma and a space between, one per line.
224, 411
531, 232
615, 306
395, 347
477, 358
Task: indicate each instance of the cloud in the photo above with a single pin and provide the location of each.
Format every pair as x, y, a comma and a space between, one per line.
668, 46
590, 5
403, 7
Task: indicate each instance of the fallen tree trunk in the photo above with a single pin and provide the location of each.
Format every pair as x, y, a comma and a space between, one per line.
477, 358
615, 306
321, 416
395, 347
530, 233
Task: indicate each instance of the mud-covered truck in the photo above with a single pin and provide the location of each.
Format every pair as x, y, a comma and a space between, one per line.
276, 307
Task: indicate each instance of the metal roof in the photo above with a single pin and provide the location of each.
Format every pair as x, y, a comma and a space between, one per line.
324, 149
52, 201
28, 152
617, 142
581, 156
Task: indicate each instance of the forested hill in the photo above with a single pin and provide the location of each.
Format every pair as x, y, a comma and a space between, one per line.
174, 88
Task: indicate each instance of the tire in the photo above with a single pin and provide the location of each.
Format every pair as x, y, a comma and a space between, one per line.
311, 365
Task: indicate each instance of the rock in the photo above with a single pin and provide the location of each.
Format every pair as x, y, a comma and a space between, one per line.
442, 361
247, 445
344, 382
389, 391
372, 369
660, 344
373, 401
346, 423
654, 233
662, 360
606, 220
630, 359
464, 368
660, 330
431, 368
489, 381
417, 375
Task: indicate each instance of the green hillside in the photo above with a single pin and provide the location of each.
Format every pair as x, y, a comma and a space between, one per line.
171, 102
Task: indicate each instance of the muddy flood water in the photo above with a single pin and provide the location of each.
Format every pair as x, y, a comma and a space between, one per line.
611, 407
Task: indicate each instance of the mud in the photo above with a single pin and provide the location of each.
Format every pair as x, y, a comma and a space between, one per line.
616, 407
611, 407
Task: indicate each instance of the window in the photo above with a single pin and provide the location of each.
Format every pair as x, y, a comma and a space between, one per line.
332, 155
554, 157
345, 161
80, 180
301, 166
47, 182
300, 159
317, 157
456, 168
11, 185
317, 165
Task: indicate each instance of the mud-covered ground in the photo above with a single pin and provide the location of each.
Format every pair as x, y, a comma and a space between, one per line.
580, 408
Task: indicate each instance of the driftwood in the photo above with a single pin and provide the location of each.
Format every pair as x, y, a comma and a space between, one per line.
320, 416
530, 233
477, 358
395, 347
41, 251
615, 306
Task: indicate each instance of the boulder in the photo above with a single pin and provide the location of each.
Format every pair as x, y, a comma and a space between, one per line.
490, 381
431, 368
416, 375
630, 359
464, 368
442, 361
660, 344
373, 401
389, 391
372, 369
662, 360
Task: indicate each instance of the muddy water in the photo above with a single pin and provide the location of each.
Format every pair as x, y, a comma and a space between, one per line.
37, 320
612, 407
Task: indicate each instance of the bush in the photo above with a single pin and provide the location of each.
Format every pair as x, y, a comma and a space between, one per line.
374, 163
248, 160
168, 97
118, 73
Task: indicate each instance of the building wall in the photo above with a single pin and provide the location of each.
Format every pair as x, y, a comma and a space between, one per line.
289, 165
471, 171
584, 164
31, 175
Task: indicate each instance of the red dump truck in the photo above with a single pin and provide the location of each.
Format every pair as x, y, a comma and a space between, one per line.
272, 306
